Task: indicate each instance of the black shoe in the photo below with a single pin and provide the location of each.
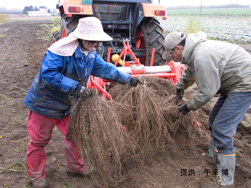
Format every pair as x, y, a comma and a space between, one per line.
72, 174
88, 170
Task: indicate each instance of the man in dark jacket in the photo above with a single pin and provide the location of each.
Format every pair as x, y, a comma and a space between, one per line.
217, 68
64, 72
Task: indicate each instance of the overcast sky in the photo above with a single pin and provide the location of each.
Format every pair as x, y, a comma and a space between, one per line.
20, 4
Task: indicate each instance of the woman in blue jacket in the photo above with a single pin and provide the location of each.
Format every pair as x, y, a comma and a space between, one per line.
65, 70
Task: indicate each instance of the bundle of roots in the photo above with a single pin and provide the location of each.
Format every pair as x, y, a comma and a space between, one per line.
96, 130
138, 123
149, 112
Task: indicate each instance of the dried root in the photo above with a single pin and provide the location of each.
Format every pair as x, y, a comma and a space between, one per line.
96, 131
122, 135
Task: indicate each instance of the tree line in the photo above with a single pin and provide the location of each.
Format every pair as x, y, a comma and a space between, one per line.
31, 8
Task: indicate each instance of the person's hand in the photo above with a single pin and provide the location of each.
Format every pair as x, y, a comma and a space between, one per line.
82, 91
183, 109
179, 93
135, 81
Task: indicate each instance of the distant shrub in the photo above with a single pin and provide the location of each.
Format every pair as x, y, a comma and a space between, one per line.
55, 20
55, 28
193, 25
4, 18
46, 31
56, 25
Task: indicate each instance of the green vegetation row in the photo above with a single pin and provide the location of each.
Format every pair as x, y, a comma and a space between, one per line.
211, 12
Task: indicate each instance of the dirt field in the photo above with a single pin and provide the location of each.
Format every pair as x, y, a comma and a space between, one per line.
20, 57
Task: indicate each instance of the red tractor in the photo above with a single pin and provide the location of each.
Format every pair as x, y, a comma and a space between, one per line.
138, 40
132, 20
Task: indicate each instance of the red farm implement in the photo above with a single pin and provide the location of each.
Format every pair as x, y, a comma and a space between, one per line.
172, 71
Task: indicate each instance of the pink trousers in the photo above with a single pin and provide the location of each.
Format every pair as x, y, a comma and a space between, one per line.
40, 131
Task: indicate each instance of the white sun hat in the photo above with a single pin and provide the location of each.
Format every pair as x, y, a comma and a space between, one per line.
89, 28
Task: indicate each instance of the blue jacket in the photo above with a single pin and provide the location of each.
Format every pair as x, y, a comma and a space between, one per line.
59, 76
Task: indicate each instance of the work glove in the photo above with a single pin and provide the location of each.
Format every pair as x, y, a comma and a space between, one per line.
183, 109
82, 91
179, 93
134, 82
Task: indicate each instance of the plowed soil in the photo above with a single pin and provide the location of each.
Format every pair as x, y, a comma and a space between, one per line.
21, 54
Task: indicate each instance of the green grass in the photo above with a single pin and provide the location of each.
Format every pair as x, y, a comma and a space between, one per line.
56, 20
15, 167
45, 32
55, 28
211, 12
4, 98
16, 119
67, 184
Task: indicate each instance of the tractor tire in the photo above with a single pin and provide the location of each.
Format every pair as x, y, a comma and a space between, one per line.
153, 38
55, 37
67, 25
